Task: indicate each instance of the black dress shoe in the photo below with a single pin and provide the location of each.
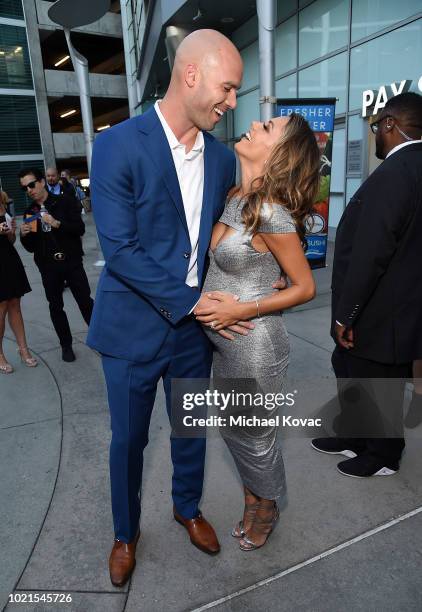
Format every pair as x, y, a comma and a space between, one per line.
68, 354
338, 446
367, 465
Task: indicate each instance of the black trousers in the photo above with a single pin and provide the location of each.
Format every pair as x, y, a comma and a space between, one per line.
54, 274
358, 407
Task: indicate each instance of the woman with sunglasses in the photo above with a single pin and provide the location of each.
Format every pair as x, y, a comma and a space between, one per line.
13, 285
260, 235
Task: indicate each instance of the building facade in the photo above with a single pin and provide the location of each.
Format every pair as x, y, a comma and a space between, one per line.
323, 48
20, 142
40, 116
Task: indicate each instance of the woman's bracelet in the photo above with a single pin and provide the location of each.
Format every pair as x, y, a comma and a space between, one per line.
257, 308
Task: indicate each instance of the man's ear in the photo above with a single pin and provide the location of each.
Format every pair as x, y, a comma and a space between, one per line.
191, 74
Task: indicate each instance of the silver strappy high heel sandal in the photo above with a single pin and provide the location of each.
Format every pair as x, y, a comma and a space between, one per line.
266, 528
250, 510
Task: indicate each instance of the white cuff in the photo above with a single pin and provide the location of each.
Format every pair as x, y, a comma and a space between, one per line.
194, 306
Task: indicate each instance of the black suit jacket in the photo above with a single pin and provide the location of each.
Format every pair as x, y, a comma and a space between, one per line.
377, 269
67, 238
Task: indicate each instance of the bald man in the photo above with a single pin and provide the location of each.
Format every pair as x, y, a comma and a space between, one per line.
53, 183
159, 182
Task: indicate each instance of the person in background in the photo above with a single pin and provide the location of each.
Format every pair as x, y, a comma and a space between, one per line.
377, 292
69, 184
66, 174
13, 285
57, 247
81, 195
54, 185
4, 199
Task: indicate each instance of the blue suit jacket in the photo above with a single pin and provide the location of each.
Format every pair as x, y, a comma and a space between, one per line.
142, 229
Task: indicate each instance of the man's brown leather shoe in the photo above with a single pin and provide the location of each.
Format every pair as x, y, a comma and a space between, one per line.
202, 535
122, 561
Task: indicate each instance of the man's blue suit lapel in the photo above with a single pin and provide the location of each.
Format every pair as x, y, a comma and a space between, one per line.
159, 150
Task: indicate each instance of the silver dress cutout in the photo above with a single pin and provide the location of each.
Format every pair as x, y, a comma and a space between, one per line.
263, 355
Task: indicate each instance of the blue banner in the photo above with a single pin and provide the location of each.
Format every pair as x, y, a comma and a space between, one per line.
319, 117
320, 114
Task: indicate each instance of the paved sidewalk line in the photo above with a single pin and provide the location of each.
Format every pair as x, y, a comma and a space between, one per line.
294, 568
30, 423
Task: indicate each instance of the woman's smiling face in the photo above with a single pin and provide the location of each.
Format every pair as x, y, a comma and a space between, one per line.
257, 143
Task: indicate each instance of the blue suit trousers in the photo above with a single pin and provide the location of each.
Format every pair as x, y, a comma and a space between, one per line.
131, 388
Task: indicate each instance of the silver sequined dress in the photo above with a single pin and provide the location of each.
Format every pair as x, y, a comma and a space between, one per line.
261, 357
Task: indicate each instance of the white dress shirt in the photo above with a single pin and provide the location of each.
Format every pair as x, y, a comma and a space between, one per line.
401, 145
190, 173
55, 189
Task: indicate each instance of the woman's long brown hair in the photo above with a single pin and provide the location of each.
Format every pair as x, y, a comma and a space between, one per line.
291, 177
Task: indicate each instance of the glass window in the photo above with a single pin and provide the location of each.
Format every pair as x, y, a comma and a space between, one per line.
285, 46
10, 183
286, 87
356, 129
247, 110
19, 131
15, 69
250, 57
326, 79
323, 27
369, 16
11, 9
387, 59
285, 8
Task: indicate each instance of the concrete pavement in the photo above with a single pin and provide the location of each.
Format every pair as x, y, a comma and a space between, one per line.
342, 544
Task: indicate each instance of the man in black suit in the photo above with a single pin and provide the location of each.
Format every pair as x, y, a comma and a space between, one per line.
57, 247
377, 296
56, 187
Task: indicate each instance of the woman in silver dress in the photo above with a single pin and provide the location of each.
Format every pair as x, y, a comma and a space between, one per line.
260, 235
